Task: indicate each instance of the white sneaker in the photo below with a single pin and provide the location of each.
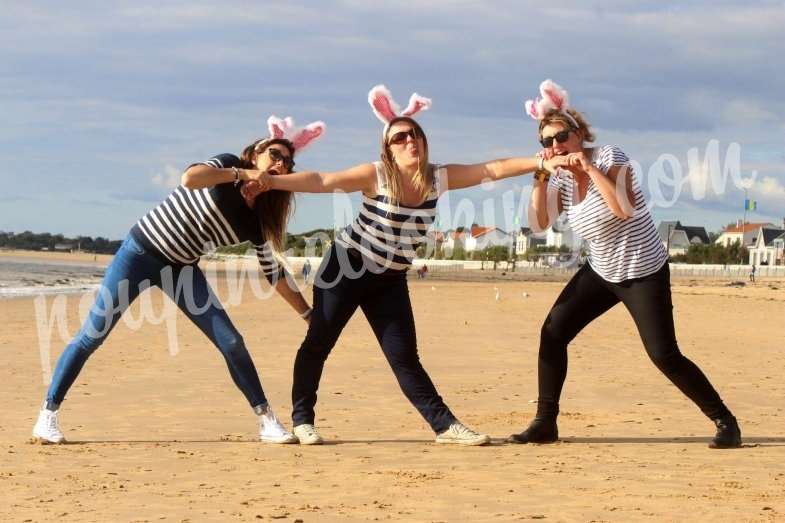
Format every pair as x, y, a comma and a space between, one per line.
271, 430
47, 428
460, 434
308, 435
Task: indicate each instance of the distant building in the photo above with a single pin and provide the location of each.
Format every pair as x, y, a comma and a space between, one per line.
64, 247
476, 238
768, 247
677, 238
525, 240
559, 234
746, 234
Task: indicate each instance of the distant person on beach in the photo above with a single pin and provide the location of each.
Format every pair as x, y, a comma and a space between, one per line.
306, 270
366, 266
598, 190
752, 273
220, 203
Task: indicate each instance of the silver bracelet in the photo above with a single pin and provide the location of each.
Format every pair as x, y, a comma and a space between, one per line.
306, 314
236, 176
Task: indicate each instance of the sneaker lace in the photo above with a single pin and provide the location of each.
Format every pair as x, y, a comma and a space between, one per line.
51, 422
463, 430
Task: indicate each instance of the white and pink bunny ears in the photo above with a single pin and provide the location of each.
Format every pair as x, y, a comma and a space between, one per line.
385, 108
554, 97
300, 137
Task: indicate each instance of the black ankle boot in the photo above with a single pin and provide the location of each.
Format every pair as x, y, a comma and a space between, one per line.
540, 430
728, 434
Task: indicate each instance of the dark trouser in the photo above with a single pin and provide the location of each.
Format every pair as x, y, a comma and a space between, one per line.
133, 270
586, 297
384, 299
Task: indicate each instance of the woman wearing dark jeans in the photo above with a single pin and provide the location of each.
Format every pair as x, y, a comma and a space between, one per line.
366, 268
627, 263
219, 203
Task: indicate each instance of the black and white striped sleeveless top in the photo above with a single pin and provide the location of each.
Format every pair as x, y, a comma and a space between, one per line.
387, 233
618, 249
190, 223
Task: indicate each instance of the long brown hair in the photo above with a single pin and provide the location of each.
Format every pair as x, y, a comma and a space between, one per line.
423, 178
272, 208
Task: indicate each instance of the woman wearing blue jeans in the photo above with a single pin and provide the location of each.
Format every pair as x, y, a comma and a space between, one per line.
219, 203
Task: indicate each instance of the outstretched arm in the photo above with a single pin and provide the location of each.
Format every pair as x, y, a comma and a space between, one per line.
359, 178
460, 176
201, 176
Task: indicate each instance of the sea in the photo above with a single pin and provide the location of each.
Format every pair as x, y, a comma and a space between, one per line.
21, 277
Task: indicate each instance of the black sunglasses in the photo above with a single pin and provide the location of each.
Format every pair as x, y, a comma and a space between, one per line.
276, 156
560, 137
400, 137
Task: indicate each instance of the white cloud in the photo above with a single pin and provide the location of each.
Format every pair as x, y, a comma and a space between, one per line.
169, 178
770, 189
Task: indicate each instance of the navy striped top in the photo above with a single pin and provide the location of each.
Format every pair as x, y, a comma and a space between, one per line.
618, 249
190, 223
387, 233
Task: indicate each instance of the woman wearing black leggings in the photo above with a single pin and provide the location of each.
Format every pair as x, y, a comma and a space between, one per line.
598, 191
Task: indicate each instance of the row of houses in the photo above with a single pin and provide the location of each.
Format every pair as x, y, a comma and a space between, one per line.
478, 238
764, 241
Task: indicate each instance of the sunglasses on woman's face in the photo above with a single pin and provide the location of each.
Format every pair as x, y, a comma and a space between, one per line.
561, 137
277, 156
400, 137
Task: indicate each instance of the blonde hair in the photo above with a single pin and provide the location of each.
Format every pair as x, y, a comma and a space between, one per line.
556, 116
423, 178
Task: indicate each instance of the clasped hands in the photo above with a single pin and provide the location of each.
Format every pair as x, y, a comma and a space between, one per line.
576, 163
257, 183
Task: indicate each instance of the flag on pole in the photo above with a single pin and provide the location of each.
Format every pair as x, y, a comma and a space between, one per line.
750, 205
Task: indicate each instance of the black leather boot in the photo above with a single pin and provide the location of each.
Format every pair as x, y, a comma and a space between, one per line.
540, 430
728, 434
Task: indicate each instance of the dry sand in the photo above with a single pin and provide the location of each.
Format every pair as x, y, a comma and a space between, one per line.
162, 438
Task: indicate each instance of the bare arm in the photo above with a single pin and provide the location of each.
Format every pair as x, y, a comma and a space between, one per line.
359, 178
545, 203
539, 202
460, 176
202, 176
615, 187
287, 288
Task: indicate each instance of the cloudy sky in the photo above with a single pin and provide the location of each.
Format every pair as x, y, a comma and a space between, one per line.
102, 107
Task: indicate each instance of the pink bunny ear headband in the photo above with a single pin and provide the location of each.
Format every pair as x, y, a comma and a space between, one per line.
386, 110
554, 97
300, 137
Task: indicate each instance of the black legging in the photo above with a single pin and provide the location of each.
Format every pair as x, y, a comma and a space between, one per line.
384, 299
586, 297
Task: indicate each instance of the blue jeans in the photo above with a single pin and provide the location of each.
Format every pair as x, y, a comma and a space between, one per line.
132, 271
384, 299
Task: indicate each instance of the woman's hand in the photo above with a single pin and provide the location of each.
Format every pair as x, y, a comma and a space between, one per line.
250, 190
553, 162
579, 161
261, 179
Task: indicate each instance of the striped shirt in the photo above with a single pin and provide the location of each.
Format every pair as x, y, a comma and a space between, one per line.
190, 223
388, 233
618, 249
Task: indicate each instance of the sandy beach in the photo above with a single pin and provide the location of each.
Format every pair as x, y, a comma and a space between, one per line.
156, 437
